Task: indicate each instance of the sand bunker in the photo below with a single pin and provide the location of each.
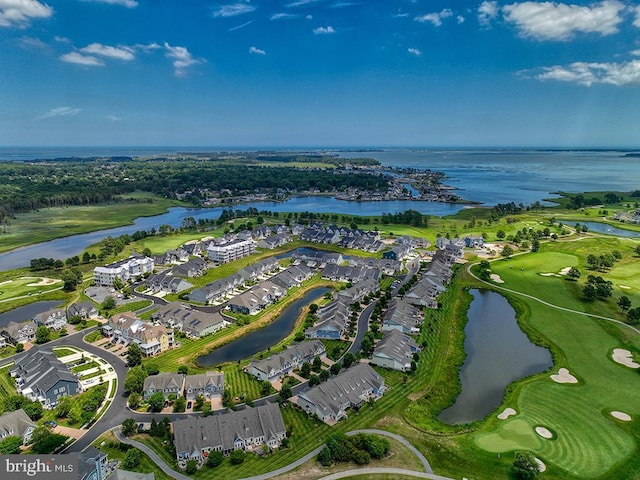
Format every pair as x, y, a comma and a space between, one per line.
625, 417
547, 274
544, 432
541, 466
496, 278
506, 413
625, 287
44, 281
565, 270
624, 357
563, 376
4, 283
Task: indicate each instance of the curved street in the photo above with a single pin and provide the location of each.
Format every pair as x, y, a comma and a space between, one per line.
265, 476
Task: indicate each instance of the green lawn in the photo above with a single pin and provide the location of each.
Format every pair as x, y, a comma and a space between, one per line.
49, 223
590, 443
25, 286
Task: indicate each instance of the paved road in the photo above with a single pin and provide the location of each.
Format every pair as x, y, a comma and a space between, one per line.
265, 476
154, 457
383, 471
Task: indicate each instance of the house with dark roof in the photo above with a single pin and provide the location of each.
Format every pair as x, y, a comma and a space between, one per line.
208, 385
403, 317
55, 319
166, 383
248, 429
41, 376
352, 387
395, 351
84, 310
22, 332
93, 464
193, 322
17, 424
286, 361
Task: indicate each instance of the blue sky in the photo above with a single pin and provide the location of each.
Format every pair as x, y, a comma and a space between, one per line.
319, 73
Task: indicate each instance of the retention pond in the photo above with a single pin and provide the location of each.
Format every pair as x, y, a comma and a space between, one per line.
263, 338
498, 353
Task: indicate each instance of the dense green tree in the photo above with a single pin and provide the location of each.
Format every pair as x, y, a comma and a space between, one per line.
214, 459
347, 360
132, 459
335, 368
325, 458
183, 369
500, 234
237, 457
265, 388
525, 466
507, 251
134, 355
134, 400
573, 273
43, 335
180, 405
134, 381
156, 402
108, 303
191, 467
624, 303
305, 369
316, 366
34, 410
10, 445
129, 427
285, 392
44, 440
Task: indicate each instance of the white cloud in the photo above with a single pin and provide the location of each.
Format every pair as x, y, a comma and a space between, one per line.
434, 18
60, 112
400, 15
487, 11
635, 53
19, 12
301, 3
283, 16
636, 22
79, 59
31, 43
460, 19
238, 27
120, 53
148, 47
124, 3
182, 59
587, 74
61, 39
559, 21
309, 17
324, 30
113, 118
257, 51
233, 9
414, 51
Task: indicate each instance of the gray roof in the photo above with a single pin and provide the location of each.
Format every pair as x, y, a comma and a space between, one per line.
41, 370
397, 346
162, 381
193, 321
346, 387
197, 433
299, 351
204, 380
126, 475
15, 423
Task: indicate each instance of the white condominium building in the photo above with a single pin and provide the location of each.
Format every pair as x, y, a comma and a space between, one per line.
230, 251
124, 270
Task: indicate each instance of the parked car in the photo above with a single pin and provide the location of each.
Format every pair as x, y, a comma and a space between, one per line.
51, 423
189, 404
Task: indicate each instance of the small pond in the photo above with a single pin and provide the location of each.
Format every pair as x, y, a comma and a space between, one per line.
263, 338
498, 353
609, 230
